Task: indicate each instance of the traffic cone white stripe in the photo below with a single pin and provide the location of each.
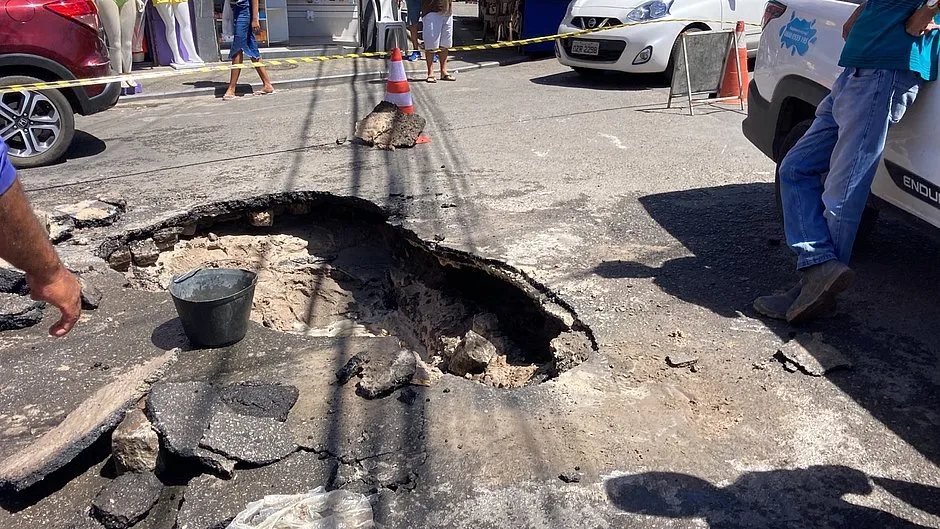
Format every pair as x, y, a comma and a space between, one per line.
402, 100
397, 90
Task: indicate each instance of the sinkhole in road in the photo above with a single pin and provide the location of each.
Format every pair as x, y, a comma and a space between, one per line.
333, 266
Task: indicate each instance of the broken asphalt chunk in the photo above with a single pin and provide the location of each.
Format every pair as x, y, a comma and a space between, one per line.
259, 399
254, 440
681, 360
180, 412
126, 500
19, 312
91, 213
94, 417
13, 282
91, 296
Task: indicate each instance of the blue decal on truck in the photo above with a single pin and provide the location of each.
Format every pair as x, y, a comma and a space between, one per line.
798, 34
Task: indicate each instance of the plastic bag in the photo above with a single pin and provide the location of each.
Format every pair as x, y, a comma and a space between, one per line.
316, 509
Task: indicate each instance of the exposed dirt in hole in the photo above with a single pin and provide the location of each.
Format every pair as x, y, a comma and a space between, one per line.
334, 274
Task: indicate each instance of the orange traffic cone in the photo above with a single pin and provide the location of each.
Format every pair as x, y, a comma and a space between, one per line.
734, 84
397, 90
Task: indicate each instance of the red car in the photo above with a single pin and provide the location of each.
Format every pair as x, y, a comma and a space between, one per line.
42, 40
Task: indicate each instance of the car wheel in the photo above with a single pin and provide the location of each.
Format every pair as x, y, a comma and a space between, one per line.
676, 50
869, 217
589, 73
37, 126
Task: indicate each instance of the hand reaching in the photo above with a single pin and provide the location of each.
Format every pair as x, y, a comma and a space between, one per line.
62, 290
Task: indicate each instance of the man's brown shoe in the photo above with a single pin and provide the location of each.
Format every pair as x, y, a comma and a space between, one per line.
821, 283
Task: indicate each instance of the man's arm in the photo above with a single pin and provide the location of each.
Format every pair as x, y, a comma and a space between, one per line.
850, 23
25, 245
921, 21
255, 17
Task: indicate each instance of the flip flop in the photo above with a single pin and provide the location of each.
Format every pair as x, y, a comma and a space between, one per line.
263, 93
431, 79
448, 77
228, 97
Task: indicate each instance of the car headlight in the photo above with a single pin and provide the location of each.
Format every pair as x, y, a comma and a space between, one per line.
650, 11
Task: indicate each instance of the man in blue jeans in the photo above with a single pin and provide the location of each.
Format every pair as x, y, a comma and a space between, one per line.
891, 49
25, 245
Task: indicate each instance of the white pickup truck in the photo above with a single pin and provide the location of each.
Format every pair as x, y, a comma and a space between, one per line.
797, 64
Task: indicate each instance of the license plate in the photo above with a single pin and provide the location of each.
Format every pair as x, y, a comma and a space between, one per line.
585, 47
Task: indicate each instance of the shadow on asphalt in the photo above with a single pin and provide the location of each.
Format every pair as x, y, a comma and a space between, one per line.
220, 87
170, 335
84, 145
776, 498
735, 238
603, 81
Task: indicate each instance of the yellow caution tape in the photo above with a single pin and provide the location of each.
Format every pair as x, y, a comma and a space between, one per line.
138, 76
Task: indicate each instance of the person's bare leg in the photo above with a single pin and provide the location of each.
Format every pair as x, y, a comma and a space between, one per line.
266, 87
233, 80
429, 58
443, 56
414, 37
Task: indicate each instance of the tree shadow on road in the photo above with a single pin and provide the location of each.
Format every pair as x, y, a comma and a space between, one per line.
735, 239
799, 498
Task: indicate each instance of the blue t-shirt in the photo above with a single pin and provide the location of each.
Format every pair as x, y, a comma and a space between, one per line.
880, 41
7, 173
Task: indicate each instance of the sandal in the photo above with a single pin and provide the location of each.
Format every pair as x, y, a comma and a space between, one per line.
228, 97
263, 93
431, 79
448, 77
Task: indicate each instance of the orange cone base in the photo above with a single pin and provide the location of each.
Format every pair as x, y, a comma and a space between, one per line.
729, 84
423, 140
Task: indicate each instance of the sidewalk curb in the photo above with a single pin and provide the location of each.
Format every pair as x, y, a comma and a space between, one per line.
323, 81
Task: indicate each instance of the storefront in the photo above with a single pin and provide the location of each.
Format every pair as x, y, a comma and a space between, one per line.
199, 35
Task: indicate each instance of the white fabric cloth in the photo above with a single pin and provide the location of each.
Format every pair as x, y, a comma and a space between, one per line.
438, 30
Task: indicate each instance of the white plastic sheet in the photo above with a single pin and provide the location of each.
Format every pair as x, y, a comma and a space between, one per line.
316, 509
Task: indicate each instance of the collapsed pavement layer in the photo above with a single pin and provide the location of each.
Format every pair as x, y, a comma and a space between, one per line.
331, 266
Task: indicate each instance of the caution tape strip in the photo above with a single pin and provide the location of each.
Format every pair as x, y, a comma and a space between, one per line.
139, 76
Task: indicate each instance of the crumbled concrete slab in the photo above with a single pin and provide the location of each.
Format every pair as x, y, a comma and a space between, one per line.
91, 213
571, 349
251, 440
127, 500
260, 399
811, 355
145, 252
387, 127
97, 415
135, 445
19, 312
472, 355
381, 371
91, 295
210, 502
180, 412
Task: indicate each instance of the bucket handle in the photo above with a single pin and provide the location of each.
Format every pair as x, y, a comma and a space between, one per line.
187, 275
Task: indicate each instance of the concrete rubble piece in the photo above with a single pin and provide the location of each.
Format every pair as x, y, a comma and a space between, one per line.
387, 127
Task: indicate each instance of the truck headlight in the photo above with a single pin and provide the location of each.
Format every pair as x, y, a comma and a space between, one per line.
650, 11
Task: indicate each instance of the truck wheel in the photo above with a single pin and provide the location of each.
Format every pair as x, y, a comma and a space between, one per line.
37, 126
869, 217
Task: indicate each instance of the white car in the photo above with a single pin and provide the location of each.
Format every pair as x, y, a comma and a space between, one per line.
646, 48
796, 67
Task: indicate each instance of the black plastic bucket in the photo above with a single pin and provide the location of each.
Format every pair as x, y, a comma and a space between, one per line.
214, 304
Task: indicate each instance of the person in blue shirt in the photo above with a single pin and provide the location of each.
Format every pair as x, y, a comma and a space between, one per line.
25, 245
892, 47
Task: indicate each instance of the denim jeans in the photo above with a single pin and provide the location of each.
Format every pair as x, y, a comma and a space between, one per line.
826, 178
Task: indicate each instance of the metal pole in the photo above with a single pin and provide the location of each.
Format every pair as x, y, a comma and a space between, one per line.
688, 76
737, 58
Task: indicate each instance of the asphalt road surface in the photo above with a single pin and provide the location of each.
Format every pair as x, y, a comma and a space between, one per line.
659, 229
